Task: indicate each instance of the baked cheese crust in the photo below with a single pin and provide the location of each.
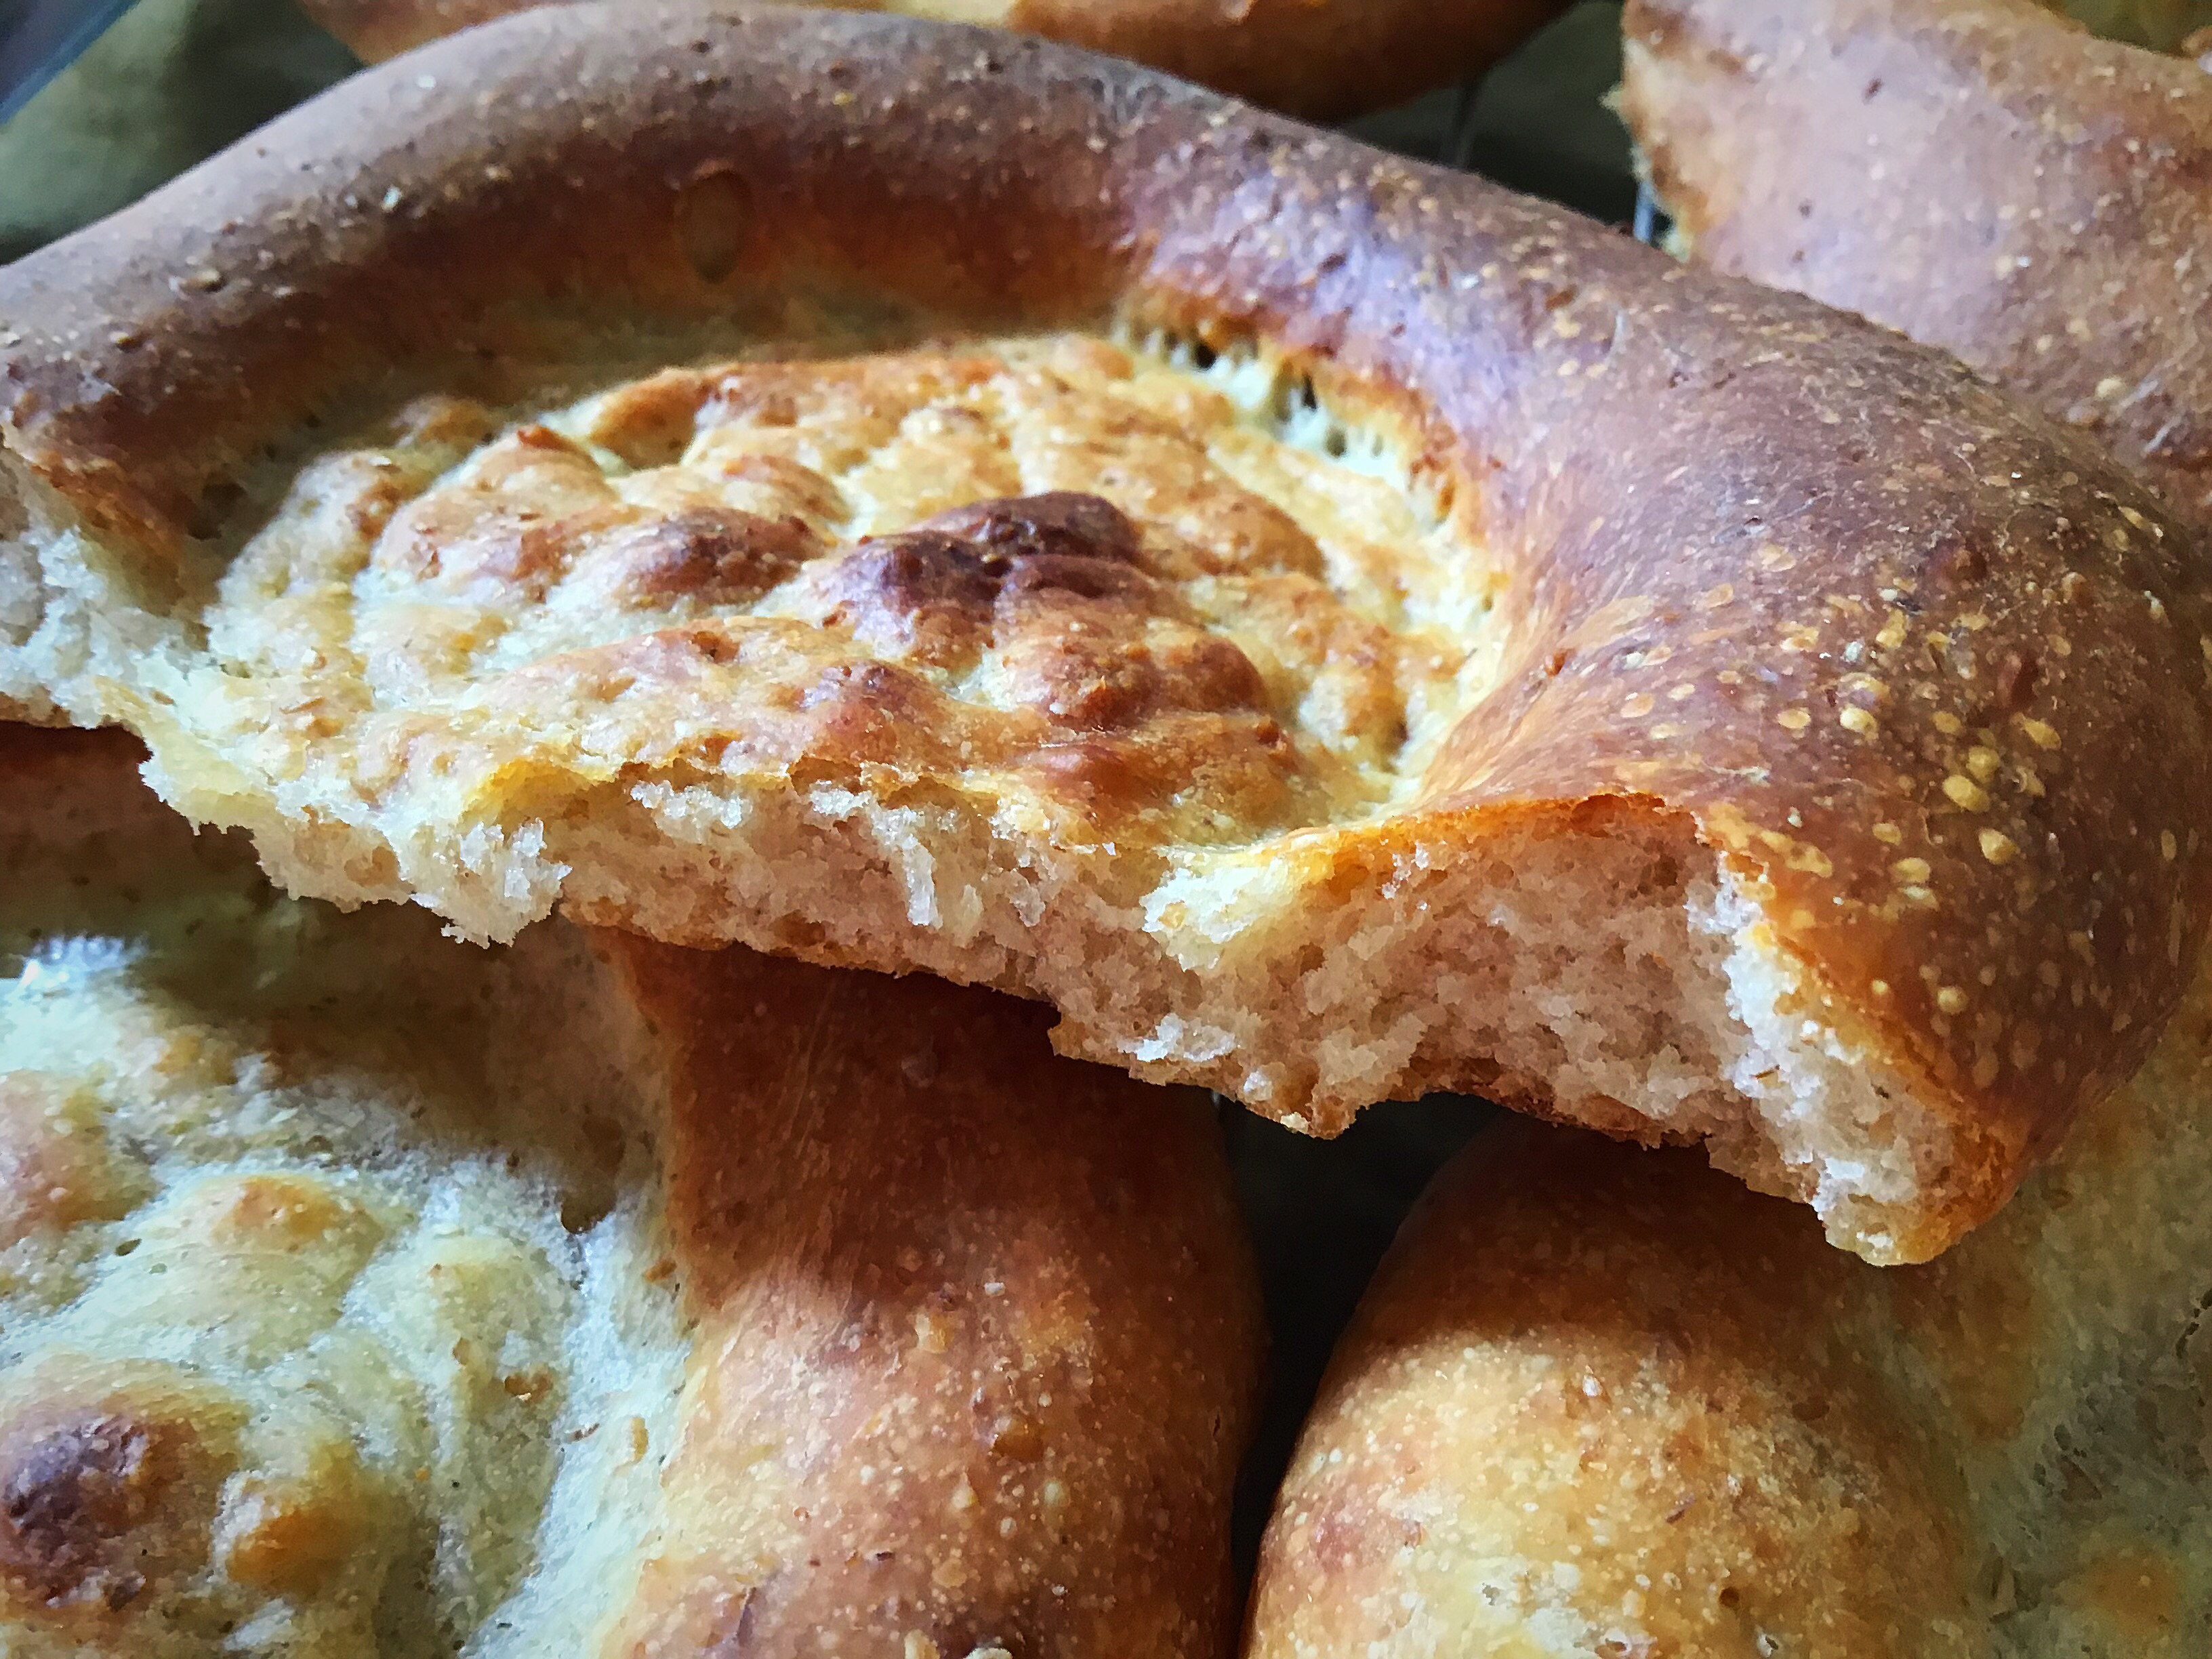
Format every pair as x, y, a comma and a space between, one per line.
1095, 596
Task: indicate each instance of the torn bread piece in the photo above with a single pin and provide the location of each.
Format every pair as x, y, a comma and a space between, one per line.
913, 498
366, 1293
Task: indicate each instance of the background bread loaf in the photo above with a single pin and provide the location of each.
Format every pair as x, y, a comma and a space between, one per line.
1991, 180
1598, 1403
1324, 59
362, 1292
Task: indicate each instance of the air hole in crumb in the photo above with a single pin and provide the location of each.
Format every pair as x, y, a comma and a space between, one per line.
581, 1211
713, 213
218, 498
716, 648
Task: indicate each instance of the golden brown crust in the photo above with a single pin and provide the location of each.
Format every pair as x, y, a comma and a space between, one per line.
2036, 200
1323, 59
1596, 1397
952, 1407
1912, 664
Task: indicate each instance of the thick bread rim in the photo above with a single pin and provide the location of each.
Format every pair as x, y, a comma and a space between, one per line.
1681, 466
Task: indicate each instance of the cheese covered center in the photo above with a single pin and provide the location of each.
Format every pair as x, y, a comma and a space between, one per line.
1121, 599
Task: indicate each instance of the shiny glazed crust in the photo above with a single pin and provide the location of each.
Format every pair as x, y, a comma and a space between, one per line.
368, 1293
2035, 200
1569, 1419
1833, 738
1323, 59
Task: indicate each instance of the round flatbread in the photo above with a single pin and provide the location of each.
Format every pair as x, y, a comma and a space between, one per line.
920, 498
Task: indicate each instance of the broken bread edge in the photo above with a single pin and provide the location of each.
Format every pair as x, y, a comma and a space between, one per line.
1882, 583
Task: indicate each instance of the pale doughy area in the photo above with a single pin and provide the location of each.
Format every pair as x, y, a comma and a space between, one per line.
324, 1295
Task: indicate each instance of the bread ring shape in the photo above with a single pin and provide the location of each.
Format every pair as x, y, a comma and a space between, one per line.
1565, 1419
2056, 231
1323, 59
364, 1293
1334, 629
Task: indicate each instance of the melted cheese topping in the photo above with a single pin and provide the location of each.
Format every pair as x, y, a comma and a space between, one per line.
707, 571
315, 1235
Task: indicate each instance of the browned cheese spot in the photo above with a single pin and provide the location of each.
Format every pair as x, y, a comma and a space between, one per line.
91, 1503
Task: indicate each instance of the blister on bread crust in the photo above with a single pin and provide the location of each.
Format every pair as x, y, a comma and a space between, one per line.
1825, 789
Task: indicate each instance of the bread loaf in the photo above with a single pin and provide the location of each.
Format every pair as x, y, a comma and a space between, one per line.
1598, 1403
1321, 58
362, 1292
915, 498
1990, 179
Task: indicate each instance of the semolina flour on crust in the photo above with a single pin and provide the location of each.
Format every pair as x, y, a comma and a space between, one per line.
923, 500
